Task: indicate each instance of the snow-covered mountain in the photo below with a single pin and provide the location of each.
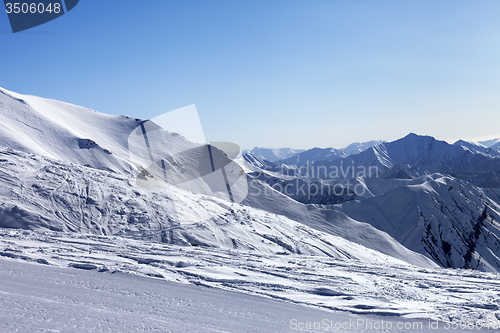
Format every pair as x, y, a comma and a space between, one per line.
273, 154
259, 162
119, 144
358, 147
39, 193
412, 157
83, 191
327, 154
65, 132
477, 148
423, 192
73, 189
70, 169
451, 220
491, 143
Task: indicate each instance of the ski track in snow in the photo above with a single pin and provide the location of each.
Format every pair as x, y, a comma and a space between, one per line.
302, 261
40, 298
394, 291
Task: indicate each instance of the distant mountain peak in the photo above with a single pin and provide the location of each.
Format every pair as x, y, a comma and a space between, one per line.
273, 154
493, 144
477, 148
414, 136
490, 143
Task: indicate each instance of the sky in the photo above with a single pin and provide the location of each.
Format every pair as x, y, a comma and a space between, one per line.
300, 74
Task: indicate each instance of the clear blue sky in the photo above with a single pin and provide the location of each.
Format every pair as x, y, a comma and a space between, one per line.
273, 73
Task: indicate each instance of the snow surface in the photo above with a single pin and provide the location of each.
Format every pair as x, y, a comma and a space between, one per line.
435, 212
413, 199
83, 201
40, 193
64, 131
99, 276
38, 298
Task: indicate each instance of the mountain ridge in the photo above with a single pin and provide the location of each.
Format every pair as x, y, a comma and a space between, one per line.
69, 168
272, 154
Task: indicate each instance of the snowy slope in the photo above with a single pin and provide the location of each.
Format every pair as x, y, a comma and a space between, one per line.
89, 191
418, 197
48, 193
51, 194
95, 265
448, 219
114, 143
330, 221
64, 131
39, 193
72, 133
40, 298
452, 221
258, 161
477, 148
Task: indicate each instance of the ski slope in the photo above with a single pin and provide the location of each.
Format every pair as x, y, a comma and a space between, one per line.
40, 193
98, 268
75, 134
87, 195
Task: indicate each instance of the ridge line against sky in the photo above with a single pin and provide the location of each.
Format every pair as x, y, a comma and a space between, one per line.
273, 74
